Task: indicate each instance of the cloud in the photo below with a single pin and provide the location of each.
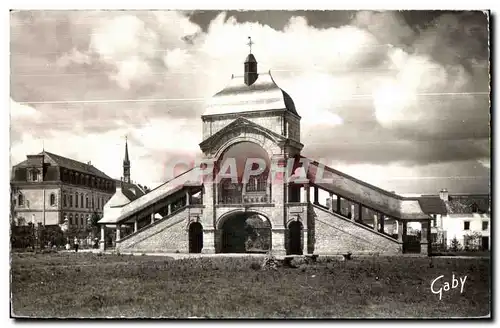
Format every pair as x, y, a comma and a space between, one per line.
359, 85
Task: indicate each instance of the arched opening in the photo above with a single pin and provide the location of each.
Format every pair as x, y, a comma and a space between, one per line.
52, 199
236, 187
195, 237
245, 232
295, 238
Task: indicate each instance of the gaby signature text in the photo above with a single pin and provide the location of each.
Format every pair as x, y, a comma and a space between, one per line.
446, 285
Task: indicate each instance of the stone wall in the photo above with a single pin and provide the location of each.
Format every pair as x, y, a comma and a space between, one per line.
334, 234
169, 236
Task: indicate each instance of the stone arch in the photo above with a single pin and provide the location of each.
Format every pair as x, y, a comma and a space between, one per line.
268, 144
195, 232
294, 218
243, 232
295, 231
220, 221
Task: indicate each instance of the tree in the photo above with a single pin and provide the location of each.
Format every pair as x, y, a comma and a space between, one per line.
93, 225
455, 245
14, 191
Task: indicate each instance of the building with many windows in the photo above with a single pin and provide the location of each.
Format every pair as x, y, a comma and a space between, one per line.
54, 190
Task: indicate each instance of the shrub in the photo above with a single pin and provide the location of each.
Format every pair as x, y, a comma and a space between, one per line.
255, 266
455, 245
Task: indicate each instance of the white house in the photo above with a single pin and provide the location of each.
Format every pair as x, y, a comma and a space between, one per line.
467, 219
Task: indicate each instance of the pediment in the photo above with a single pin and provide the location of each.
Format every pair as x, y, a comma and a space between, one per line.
235, 128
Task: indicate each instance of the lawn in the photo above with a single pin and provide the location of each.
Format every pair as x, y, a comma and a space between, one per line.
93, 285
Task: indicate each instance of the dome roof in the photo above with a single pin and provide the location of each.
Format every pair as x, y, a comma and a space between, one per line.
250, 59
264, 94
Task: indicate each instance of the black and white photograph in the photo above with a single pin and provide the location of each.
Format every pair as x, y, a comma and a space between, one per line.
250, 164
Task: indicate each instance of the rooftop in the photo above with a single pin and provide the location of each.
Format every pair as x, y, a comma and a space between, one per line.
264, 94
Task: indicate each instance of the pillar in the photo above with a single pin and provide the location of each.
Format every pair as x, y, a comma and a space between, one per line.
135, 225
316, 195
382, 223
188, 197
400, 230
208, 241
102, 242
152, 218
331, 202
360, 213
375, 222
424, 241
338, 204
307, 193
305, 249
353, 216
278, 241
118, 228
169, 208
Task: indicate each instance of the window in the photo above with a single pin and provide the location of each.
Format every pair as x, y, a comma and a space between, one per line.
34, 175
87, 201
434, 222
466, 225
81, 199
52, 199
76, 200
76, 219
82, 221
70, 219
102, 203
70, 200
65, 200
20, 200
485, 225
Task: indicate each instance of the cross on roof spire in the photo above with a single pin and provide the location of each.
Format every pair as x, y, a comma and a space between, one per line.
250, 43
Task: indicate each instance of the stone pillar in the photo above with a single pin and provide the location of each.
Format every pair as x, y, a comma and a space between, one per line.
278, 191
152, 218
424, 242
331, 202
169, 209
360, 213
375, 222
305, 249
382, 222
353, 213
278, 241
135, 225
316, 195
102, 242
188, 198
400, 230
307, 190
118, 228
208, 241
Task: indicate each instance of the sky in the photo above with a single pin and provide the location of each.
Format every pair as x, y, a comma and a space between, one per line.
397, 99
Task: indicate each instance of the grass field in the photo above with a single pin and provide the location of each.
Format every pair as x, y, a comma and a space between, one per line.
89, 285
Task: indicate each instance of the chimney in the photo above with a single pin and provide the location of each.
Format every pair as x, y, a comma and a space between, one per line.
443, 194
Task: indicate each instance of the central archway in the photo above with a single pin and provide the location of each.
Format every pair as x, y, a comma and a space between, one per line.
240, 187
245, 232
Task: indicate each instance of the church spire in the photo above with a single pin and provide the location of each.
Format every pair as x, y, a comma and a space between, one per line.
250, 66
126, 164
